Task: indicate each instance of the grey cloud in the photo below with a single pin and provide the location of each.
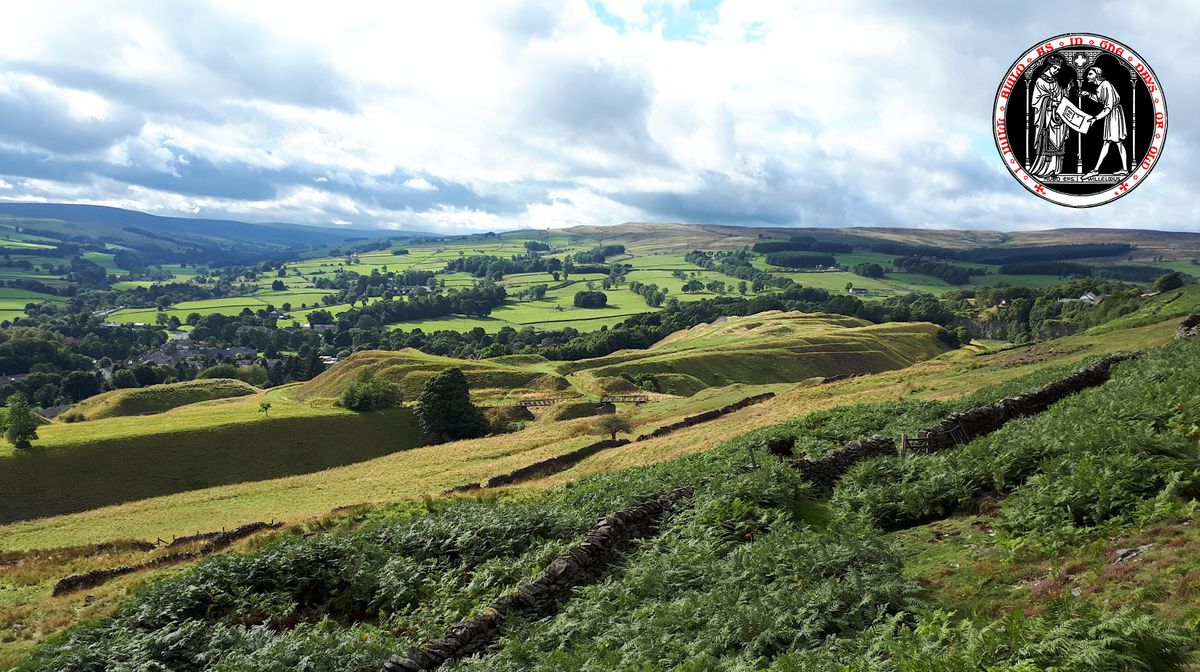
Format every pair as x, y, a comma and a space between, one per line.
600, 105
39, 117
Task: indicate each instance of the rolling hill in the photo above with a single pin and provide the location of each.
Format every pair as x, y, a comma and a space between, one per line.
156, 398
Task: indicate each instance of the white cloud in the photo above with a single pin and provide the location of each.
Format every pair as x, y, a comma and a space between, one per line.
420, 184
450, 116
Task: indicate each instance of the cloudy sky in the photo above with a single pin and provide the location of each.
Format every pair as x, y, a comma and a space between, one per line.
457, 117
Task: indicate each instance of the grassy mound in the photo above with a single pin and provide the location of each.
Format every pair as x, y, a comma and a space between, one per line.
773, 348
411, 368
157, 398
680, 383
572, 410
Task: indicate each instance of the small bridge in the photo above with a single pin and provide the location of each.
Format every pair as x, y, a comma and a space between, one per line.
528, 403
625, 399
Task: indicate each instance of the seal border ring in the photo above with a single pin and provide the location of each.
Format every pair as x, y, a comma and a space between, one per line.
1027, 181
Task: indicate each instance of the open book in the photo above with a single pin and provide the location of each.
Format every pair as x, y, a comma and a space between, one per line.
1077, 119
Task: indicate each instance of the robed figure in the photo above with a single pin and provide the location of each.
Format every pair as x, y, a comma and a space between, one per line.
1050, 134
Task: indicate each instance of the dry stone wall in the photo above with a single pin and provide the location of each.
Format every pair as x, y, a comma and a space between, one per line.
579, 565
692, 420
215, 542
553, 464
956, 428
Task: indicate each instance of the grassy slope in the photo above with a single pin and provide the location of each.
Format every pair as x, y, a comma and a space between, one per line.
430, 470
81, 466
490, 381
159, 398
770, 348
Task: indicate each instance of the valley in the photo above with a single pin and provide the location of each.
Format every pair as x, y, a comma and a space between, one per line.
292, 398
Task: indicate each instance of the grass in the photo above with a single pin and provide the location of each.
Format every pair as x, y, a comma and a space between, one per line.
13, 301
490, 382
751, 572
81, 466
770, 348
430, 470
158, 398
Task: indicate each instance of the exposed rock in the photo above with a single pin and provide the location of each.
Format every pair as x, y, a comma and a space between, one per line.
1124, 554
1189, 327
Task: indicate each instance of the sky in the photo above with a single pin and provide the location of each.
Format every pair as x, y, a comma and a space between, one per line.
459, 117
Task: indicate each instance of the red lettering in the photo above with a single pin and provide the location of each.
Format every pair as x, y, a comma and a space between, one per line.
1158, 119
1076, 41
1045, 49
1149, 160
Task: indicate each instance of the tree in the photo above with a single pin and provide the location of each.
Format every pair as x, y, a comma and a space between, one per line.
367, 393
278, 285
444, 408
742, 287
614, 424
20, 425
1168, 282
590, 299
124, 379
265, 408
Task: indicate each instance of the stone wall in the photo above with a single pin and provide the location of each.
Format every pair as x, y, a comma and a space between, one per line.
215, 541
692, 420
553, 464
579, 565
956, 428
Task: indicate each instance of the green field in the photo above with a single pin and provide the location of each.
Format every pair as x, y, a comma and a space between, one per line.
652, 253
13, 301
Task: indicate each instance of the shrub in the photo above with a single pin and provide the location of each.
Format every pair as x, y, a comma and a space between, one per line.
368, 393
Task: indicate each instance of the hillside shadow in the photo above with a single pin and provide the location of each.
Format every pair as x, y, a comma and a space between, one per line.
52, 482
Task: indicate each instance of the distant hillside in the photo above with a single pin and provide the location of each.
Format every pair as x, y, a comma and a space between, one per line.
157, 398
654, 237
167, 239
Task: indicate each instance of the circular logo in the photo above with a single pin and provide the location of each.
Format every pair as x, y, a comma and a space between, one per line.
1080, 120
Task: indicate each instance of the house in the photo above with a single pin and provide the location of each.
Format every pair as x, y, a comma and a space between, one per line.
860, 291
329, 360
160, 358
1091, 299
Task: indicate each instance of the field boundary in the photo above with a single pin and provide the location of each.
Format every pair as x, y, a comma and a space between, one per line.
577, 566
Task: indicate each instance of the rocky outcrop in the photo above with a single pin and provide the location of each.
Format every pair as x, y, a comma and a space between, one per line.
579, 565
1190, 326
215, 541
693, 420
